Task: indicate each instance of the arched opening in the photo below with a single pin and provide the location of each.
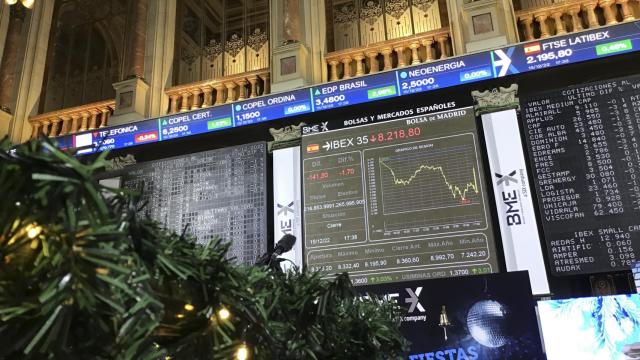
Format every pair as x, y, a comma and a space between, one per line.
85, 52
215, 38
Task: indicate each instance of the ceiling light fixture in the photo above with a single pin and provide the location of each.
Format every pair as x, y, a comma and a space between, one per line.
26, 3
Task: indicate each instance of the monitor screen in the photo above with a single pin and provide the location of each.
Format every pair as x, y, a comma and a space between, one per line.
398, 200
483, 317
584, 146
592, 328
217, 193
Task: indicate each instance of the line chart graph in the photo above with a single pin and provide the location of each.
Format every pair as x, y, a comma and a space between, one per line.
429, 180
456, 191
424, 187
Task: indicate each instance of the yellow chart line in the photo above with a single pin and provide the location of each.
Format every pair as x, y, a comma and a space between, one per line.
455, 190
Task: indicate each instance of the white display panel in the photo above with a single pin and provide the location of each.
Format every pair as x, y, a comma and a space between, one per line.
286, 201
510, 179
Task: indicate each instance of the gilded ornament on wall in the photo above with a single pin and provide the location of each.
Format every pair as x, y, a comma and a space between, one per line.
188, 55
423, 5
370, 11
212, 50
287, 136
496, 99
345, 14
234, 45
396, 8
257, 40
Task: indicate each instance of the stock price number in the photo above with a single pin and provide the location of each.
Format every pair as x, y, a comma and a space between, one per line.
459, 272
347, 172
408, 260
350, 266
330, 100
248, 116
375, 263
175, 130
395, 135
442, 257
105, 144
408, 85
318, 175
473, 254
549, 56
324, 268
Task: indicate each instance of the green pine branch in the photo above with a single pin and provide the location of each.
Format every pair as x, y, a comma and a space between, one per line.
84, 276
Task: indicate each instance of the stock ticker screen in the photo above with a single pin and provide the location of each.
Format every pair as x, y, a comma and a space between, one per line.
584, 147
214, 194
398, 200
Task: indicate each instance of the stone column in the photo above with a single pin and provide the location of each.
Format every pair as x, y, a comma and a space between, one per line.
557, 18
11, 56
4, 24
373, 62
31, 75
64, 128
590, 9
195, 95
463, 36
386, 55
627, 12
297, 35
346, 67
174, 103
576, 20
402, 60
609, 14
253, 80
208, 97
428, 43
220, 88
131, 92
291, 21
541, 18
134, 66
526, 27
415, 57
159, 53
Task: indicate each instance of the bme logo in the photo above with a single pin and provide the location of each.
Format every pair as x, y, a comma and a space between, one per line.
284, 209
506, 178
322, 127
510, 199
413, 299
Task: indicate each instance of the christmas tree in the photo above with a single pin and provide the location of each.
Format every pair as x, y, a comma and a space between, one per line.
84, 276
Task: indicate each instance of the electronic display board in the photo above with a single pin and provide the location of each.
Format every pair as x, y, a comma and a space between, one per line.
217, 193
185, 124
482, 317
398, 200
591, 328
584, 146
443, 73
102, 139
278, 106
354, 91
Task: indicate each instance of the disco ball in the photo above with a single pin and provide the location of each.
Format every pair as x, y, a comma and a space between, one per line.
487, 323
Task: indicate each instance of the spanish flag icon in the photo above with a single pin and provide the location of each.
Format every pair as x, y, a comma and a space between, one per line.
312, 148
532, 48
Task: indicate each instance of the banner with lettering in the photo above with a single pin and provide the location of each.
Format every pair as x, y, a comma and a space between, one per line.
513, 198
483, 317
287, 202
